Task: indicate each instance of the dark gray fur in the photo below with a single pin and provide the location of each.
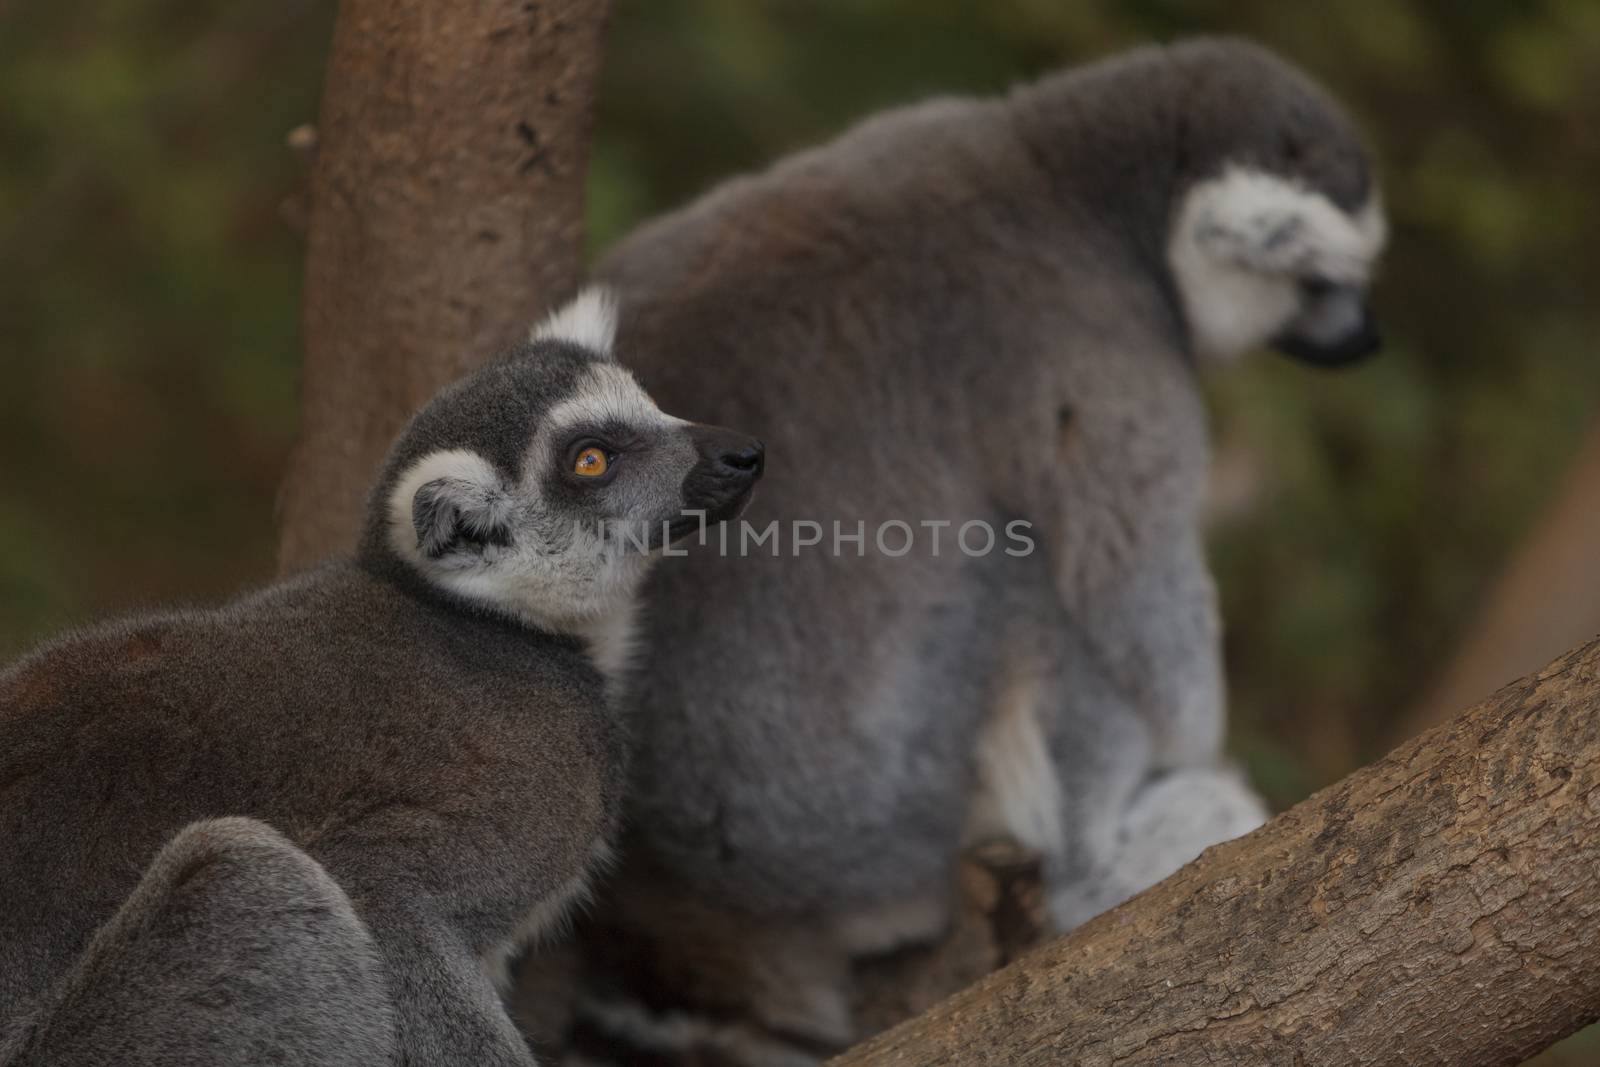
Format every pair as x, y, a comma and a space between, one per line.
301, 827
295, 979
959, 310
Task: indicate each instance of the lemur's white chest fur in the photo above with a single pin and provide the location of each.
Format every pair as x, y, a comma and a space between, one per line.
612, 641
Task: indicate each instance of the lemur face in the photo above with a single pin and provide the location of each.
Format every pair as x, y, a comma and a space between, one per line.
544, 484
610, 459
1260, 258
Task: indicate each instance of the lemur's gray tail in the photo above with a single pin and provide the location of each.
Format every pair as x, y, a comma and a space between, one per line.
236, 947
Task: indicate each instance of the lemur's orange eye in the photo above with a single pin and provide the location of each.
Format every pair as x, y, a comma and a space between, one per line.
591, 463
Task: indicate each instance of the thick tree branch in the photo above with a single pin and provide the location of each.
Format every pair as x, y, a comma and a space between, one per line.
1439, 906
445, 214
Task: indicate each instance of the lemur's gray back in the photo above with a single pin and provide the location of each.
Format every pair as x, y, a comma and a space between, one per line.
965, 310
251, 709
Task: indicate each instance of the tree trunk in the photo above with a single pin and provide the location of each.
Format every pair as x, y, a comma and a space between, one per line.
1548, 599
1439, 906
445, 213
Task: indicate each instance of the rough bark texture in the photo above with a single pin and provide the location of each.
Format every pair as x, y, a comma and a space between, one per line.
446, 211
1437, 907
1548, 599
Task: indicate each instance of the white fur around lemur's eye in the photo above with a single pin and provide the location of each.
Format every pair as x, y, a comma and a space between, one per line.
1242, 242
589, 320
608, 393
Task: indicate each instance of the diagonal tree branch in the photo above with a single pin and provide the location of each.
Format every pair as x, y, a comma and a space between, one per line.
1439, 906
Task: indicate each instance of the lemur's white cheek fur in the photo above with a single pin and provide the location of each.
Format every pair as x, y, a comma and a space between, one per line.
1242, 242
1232, 311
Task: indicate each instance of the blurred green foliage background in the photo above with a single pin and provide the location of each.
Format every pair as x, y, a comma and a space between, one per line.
148, 295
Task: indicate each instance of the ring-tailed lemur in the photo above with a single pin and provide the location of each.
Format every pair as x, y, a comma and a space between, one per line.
310, 826
989, 309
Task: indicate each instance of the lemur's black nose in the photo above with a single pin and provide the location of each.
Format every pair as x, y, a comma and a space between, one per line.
729, 454
748, 458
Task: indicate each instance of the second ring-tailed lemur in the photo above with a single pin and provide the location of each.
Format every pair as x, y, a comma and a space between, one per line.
310, 826
972, 309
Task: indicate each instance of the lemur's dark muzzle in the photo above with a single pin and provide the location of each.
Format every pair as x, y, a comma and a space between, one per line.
730, 455
730, 464
1335, 329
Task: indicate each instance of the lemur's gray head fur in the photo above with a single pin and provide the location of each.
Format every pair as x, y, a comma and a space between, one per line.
1253, 184
542, 485
1275, 238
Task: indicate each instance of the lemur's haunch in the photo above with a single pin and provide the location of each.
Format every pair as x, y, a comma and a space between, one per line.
312, 825
972, 309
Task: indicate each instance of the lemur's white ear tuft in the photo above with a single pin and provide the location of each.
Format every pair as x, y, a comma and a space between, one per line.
589, 321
